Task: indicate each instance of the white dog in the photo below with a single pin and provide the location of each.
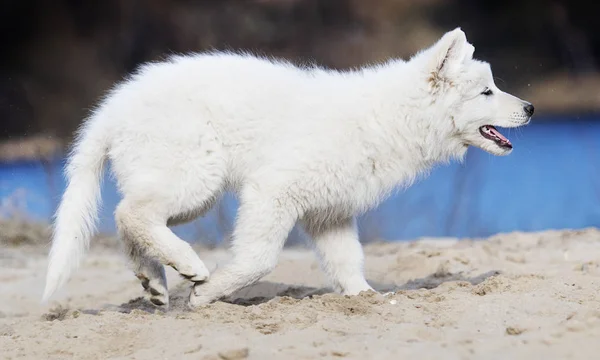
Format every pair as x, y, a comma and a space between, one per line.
295, 144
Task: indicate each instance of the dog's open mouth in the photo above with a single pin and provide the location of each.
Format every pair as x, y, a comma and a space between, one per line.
490, 132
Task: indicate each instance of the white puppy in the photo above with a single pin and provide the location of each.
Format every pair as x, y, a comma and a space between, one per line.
295, 144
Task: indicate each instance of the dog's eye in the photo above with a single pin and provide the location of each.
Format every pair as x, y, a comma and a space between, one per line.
487, 92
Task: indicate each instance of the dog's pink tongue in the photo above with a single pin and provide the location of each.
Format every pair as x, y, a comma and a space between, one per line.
497, 134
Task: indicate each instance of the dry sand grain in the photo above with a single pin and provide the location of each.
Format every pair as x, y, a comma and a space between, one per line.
513, 296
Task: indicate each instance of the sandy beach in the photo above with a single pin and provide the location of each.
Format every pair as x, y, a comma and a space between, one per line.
512, 296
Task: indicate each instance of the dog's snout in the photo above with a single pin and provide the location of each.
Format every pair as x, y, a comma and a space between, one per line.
529, 109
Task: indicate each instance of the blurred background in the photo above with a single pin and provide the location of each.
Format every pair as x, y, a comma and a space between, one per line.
58, 57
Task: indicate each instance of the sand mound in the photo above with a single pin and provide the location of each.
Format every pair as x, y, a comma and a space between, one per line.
513, 296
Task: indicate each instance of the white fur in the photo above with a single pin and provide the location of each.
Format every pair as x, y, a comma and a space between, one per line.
295, 144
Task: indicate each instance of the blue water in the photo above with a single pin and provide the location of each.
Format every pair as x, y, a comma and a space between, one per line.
550, 181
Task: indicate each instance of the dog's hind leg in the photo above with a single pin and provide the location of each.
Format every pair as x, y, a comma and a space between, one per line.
151, 244
148, 270
167, 188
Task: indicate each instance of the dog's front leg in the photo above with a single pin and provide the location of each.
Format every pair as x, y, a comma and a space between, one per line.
339, 250
262, 228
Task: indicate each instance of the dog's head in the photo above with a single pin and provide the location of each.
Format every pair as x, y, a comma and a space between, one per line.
465, 91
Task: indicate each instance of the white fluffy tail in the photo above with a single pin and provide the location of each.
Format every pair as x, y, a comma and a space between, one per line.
75, 219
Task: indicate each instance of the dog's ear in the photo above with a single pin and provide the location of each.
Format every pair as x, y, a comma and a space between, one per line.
449, 53
469, 51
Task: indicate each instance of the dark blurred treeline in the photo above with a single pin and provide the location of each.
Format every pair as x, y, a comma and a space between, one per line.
58, 56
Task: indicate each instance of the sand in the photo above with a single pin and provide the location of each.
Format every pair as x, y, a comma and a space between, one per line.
513, 296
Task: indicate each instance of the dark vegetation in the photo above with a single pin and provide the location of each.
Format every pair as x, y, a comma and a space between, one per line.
59, 56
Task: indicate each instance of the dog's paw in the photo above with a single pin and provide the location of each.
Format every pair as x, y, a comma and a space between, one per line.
157, 292
201, 296
197, 272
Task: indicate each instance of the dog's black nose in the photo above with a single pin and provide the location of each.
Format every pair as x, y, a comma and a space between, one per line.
529, 109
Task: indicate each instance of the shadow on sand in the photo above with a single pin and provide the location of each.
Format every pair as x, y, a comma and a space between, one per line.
265, 291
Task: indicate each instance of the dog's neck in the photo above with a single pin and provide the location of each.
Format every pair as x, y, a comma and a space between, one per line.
409, 132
